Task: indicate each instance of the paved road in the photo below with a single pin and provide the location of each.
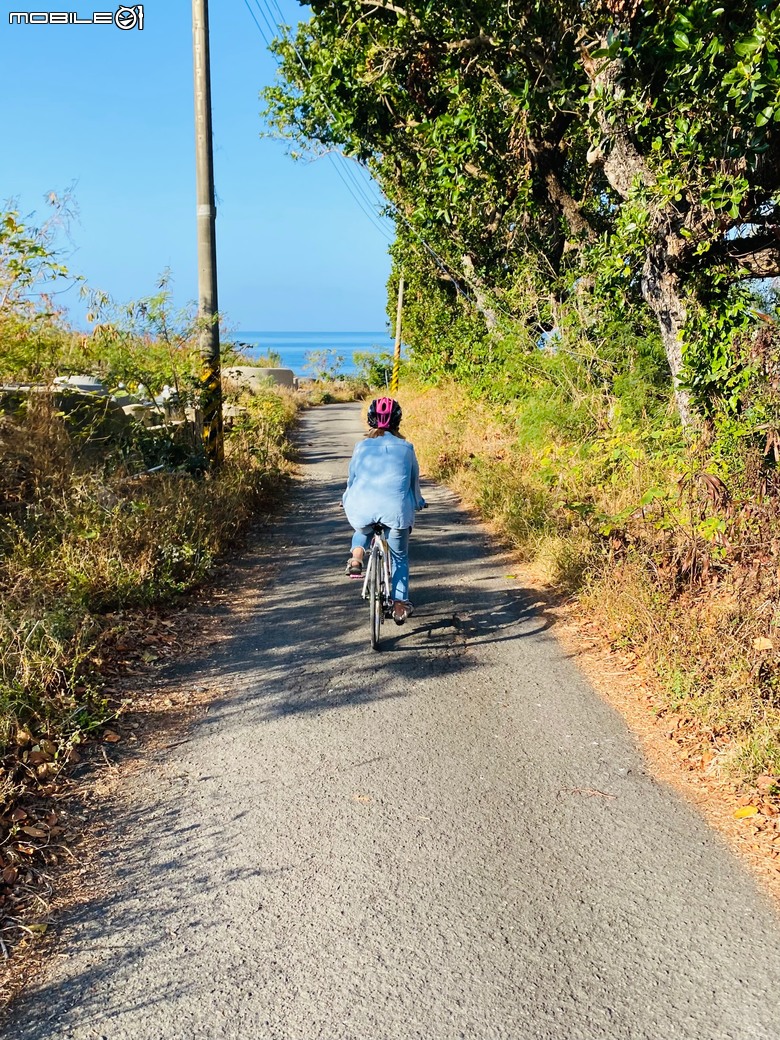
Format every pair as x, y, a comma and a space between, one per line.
362, 846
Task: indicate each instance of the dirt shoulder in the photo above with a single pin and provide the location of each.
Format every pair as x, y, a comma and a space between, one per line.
155, 709
674, 747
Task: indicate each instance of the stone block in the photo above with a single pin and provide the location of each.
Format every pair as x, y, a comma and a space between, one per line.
253, 378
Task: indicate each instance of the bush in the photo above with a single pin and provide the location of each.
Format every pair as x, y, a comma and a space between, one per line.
374, 370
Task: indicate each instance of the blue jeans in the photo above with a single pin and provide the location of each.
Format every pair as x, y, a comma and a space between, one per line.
398, 541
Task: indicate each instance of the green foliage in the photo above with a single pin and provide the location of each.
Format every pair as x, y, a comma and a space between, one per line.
144, 345
139, 346
325, 365
28, 259
375, 370
717, 371
32, 334
633, 166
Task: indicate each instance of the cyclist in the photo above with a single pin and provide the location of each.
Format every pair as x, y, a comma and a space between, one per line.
384, 488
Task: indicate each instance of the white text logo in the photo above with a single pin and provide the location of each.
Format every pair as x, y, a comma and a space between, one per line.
122, 18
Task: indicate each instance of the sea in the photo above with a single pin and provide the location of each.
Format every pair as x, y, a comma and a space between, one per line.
294, 348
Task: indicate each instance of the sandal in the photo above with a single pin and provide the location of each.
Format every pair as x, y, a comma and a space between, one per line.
406, 611
354, 568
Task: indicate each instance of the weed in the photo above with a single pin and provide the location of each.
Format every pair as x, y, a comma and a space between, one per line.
635, 524
84, 534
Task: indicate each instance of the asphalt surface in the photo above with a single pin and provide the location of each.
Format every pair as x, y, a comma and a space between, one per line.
451, 838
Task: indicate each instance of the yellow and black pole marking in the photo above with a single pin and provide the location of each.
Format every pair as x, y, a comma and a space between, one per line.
397, 351
211, 410
394, 379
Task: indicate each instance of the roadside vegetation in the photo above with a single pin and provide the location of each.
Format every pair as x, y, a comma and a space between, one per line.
107, 513
587, 221
675, 568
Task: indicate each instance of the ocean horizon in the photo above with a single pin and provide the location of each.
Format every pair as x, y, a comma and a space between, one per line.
294, 347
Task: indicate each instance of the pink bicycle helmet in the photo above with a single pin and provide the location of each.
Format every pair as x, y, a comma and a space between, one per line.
384, 414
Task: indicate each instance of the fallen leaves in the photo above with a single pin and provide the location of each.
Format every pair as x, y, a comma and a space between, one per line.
768, 785
32, 840
745, 812
143, 639
35, 832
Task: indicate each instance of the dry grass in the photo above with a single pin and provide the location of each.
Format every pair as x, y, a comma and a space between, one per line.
82, 535
669, 566
89, 539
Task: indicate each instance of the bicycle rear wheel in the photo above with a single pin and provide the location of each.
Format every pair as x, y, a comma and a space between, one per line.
375, 599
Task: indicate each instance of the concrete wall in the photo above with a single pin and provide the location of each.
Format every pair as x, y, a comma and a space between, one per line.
255, 378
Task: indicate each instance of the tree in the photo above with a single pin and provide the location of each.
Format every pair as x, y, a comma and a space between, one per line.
31, 268
599, 143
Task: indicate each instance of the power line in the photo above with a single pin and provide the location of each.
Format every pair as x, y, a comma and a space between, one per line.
270, 24
360, 185
340, 171
439, 261
279, 12
273, 28
346, 168
259, 27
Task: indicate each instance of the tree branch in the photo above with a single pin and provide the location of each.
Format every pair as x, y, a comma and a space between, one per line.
759, 255
386, 6
481, 297
623, 164
472, 43
547, 160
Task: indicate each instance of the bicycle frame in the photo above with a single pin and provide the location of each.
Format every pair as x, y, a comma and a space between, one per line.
378, 556
377, 583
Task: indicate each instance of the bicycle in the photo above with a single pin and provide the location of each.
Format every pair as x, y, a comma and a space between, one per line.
377, 584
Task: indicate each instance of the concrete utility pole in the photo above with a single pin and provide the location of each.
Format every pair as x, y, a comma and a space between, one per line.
397, 352
211, 391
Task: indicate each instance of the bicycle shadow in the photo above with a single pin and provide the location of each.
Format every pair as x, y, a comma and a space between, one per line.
301, 645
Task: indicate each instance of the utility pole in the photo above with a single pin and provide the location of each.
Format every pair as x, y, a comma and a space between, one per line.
211, 388
397, 351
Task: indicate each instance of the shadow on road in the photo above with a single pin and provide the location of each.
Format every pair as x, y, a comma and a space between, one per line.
303, 645
118, 929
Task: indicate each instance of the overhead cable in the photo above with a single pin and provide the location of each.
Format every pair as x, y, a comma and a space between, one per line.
352, 185
259, 27
356, 186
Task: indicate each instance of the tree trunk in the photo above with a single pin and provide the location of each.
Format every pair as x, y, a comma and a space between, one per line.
661, 291
481, 299
625, 168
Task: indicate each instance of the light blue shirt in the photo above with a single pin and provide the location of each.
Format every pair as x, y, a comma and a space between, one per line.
384, 483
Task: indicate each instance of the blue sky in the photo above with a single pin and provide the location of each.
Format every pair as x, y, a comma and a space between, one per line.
111, 113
